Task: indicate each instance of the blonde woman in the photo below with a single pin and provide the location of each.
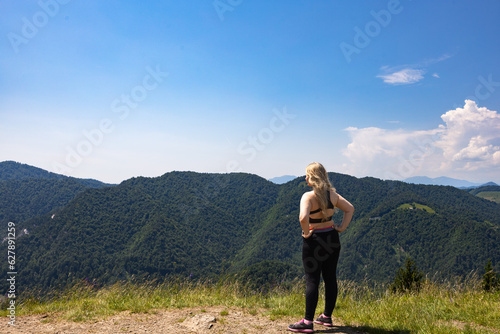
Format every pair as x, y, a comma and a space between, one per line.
321, 244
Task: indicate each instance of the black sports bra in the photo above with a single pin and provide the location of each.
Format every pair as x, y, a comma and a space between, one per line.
329, 206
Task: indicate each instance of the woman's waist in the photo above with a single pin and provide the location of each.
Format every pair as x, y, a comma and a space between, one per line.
320, 220
321, 226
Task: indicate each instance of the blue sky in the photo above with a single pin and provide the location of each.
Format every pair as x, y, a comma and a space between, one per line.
115, 89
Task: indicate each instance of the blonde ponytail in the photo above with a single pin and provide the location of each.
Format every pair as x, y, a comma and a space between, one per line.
318, 179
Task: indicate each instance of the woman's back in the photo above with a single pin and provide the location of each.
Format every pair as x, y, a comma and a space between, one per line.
315, 215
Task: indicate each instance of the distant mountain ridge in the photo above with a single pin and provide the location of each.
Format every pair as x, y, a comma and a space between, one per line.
11, 170
444, 181
202, 225
282, 179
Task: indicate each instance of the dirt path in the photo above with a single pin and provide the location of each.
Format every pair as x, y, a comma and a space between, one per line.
203, 320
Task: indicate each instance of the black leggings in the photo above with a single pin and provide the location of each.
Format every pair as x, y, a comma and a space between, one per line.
320, 254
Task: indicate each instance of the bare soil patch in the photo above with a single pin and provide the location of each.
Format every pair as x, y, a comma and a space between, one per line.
217, 319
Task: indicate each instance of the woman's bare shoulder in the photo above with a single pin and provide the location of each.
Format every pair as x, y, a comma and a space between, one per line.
334, 196
308, 194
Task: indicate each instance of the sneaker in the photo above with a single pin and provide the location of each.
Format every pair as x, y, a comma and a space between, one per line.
301, 327
324, 320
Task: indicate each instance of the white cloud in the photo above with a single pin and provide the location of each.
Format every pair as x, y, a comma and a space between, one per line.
382, 153
403, 77
409, 74
472, 135
468, 141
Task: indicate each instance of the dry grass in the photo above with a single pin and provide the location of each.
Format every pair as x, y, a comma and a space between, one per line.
458, 306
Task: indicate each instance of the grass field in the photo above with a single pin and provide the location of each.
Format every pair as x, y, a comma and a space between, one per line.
460, 306
416, 206
490, 195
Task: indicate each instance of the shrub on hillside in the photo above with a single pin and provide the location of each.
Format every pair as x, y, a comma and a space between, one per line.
491, 279
408, 278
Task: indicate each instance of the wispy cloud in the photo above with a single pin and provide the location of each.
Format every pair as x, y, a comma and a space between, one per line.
429, 62
403, 77
409, 74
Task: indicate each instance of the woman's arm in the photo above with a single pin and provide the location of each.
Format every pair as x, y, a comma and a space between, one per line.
305, 207
348, 209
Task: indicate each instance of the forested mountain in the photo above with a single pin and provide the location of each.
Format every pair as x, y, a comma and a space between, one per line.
27, 192
207, 225
444, 229
180, 224
490, 192
11, 170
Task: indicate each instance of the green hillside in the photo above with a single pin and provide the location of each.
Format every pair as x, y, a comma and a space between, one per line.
490, 195
11, 170
27, 192
206, 225
489, 192
184, 224
449, 233
23, 199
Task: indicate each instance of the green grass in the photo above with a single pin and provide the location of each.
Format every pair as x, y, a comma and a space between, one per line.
449, 307
490, 195
438, 308
416, 206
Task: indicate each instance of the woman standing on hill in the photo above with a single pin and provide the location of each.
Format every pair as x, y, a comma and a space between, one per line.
321, 247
